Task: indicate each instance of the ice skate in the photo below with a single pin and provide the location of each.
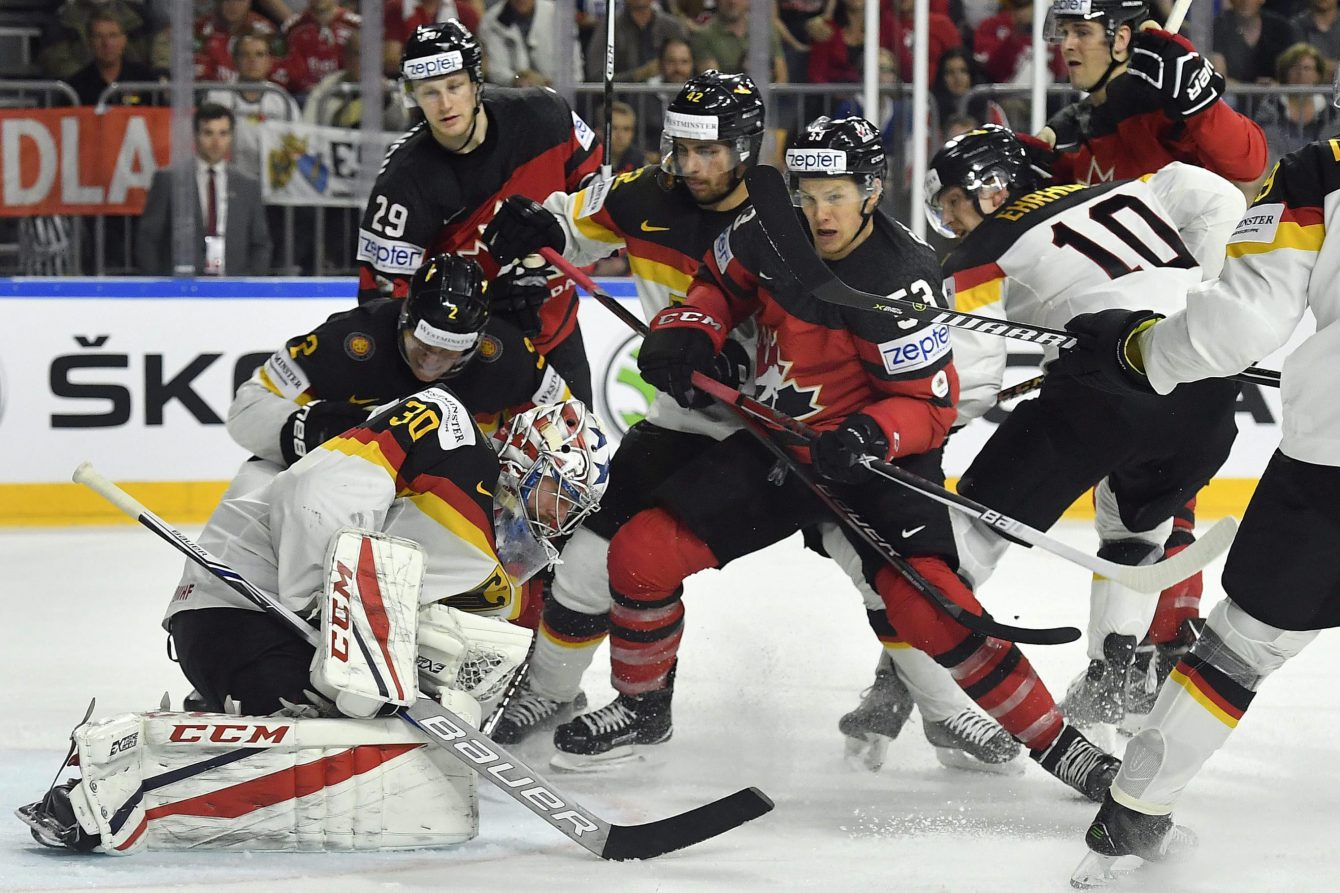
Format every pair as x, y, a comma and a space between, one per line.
1121, 839
1150, 669
968, 740
614, 734
1076, 761
529, 712
1096, 700
884, 708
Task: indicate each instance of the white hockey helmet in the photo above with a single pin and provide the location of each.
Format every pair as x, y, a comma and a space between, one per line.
565, 445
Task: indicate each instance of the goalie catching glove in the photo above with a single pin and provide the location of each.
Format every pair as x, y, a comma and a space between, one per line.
679, 344
1170, 64
836, 454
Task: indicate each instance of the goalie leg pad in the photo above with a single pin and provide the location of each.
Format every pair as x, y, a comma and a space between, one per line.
467, 652
172, 781
368, 620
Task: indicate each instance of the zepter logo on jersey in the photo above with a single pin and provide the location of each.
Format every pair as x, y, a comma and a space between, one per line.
626, 398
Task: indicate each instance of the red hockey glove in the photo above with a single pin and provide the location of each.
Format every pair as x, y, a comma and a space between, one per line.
1101, 359
836, 453
1170, 64
522, 226
678, 345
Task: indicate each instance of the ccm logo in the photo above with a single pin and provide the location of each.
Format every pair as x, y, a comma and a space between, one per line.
227, 734
339, 614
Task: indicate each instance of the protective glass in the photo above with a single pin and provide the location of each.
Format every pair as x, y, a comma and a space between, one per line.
682, 157
521, 550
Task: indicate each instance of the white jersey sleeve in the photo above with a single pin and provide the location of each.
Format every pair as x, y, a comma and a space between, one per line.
1203, 206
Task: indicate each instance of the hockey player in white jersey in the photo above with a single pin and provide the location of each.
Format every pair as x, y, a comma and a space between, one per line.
404, 541
1040, 256
667, 216
1281, 578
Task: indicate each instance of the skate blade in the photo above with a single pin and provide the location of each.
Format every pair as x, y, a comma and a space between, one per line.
1096, 871
46, 830
866, 753
602, 762
954, 758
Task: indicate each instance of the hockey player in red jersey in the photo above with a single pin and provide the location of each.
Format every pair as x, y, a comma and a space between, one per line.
1152, 100
667, 216
1036, 255
1281, 578
441, 183
869, 385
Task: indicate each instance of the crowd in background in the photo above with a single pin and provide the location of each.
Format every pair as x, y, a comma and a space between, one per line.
308, 54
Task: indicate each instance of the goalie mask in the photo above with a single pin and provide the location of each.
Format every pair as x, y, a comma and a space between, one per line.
988, 158
443, 317
714, 107
555, 462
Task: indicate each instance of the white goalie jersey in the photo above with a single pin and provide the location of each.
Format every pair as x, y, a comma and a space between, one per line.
1060, 251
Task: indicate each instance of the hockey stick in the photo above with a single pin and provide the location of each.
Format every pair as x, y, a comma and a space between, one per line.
978, 623
477, 751
1143, 578
607, 169
1176, 16
1018, 390
772, 201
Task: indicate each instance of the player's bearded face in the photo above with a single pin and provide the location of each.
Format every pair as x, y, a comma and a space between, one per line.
706, 168
1086, 52
429, 363
834, 210
448, 104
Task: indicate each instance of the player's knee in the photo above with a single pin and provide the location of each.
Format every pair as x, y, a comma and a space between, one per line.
581, 581
917, 620
1244, 648
1113, 522
653, 553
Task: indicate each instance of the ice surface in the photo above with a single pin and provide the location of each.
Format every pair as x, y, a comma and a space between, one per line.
776, 649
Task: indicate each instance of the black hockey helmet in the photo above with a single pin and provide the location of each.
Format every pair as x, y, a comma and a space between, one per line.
1111, 14
446, 307
990, 157
718, 107
440, 49
845, 147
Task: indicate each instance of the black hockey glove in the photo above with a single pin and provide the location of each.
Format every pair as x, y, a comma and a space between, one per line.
518, 296
1170, 64
835, 454
1102, 358
519, 227
315, 423
678, 345
1071, 126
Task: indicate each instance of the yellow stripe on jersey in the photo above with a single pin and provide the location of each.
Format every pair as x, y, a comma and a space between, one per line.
1288, 235
672, 278
979, 296
1335, 148
1200, 698
449, 518
370, 452
587, 226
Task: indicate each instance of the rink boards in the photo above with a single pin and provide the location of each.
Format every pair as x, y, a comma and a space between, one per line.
136, 375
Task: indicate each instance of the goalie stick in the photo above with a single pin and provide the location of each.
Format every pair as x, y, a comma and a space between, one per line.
978, 623
1154, 577
777, 216
477, 751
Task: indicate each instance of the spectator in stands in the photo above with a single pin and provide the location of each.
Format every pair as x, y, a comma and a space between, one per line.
336, 102
1248, 40
625, 149
107, 40
723, 42
639, 31
674, 67
958, 73
1317, 25
1292, 121
895, 114
401, 17
1003, 46
66, 49
793, 18
254, 61
943, 35
957, 125
519, 45
841, 58
215, 35
230, 221
316, 41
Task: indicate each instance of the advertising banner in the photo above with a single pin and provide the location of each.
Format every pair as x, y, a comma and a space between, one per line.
306, 164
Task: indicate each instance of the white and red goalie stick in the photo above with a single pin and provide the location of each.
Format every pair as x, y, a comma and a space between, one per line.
477, 751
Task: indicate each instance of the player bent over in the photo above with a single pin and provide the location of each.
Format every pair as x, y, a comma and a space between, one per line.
1035, 256
666, 216
403, 541
1281, 575
855, 377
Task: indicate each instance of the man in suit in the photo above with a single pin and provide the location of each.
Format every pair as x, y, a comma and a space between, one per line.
230, 219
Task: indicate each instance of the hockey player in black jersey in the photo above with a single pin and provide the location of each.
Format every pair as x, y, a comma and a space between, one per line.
441, 183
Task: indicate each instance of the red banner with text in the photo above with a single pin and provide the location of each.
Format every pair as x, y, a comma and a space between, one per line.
75, 161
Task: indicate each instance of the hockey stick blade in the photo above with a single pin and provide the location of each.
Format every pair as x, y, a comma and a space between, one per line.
477, 751
772, 200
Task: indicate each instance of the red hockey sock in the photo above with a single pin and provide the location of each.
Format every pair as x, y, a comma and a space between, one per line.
649, 558
1180, 601
992, 672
